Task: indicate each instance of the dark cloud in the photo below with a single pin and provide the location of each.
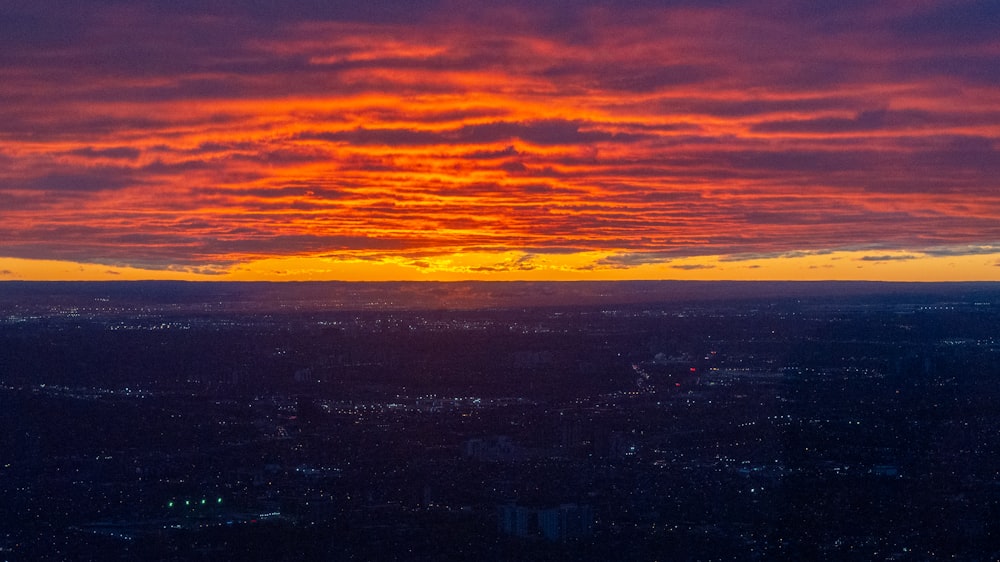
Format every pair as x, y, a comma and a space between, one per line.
376, 11
970, 22
27, 26
869, 120
646, 78
289, 155
160, 167
493, 154
960, 155
756, 106
627, 260
514, 167
889, 257
979, 69
777, 162
749, 256
25, 120
122, 152
546, 132
221, 269
691, 266
523, 263
385, 137
542, 132
278, 192
83, 180
960, 250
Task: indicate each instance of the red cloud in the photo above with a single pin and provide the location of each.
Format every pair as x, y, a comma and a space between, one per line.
169, 139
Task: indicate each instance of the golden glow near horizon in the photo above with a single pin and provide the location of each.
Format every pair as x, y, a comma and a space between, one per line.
514, 266
694, 142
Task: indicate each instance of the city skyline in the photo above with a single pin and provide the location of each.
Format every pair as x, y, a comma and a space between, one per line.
697, 140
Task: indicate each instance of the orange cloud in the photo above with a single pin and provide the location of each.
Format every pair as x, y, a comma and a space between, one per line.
205, 141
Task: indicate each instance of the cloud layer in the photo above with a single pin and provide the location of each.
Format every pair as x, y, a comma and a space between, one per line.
207, 134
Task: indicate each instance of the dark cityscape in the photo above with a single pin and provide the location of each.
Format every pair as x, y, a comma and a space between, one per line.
479, 421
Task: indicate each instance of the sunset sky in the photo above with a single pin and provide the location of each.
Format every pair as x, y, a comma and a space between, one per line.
246, 140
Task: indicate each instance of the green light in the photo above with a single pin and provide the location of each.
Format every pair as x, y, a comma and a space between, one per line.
218, 500
170, 504
187, 502
202, 501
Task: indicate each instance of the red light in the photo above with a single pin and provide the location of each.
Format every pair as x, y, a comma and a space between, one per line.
677, 384
692, 369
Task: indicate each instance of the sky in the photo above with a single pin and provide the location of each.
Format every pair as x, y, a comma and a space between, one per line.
536, 140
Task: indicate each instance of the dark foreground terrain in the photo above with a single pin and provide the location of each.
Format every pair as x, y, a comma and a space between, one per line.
640, 421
